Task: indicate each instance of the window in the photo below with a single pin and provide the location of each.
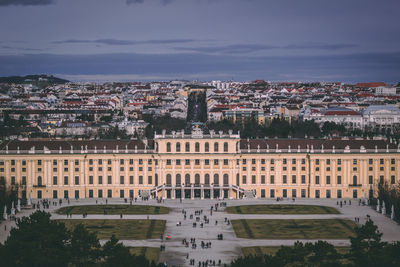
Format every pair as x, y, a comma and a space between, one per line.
317, 162
178, 162
339, 161
206, 147
293, 179
216, 179
39, 162
187, 161
225, 162
13, 180
262, 179
262, 161
370, 179
168, 147
23, 162
284, 193
303, 179
284, 168
207, 179
100, 178
244, 179
317, 179
66, 195
303, 193
381, 179
207, 162
100, 193
328, 193
328, 169
197, 162
317, 169
339, 169
284, 179
65, 180
284, 161
121, 161
317, 194
354, 161
339, 179
339, 193
121, 179
178, 179
293, 161
303, 161
108, 161
392, 161
272, 161
140, 161
109, 179
54, 180
131, 179
244, 161
168, 180
215, 162
216, 147
168, 162
370, 161
140, 179
381, 161
187, 179
328, 179
197, 147
272, 193
55, 161
76, 162
328, 161
354, 180
272, 179
149, 179
55, 194
178, 147
253, 161
109, 193
392, 179
225, 147
187, 147
90, 193
253, 179
24, 180
76, 180
294, 193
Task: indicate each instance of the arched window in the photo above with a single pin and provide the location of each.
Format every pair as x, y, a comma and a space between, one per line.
39, 180
207, 179
216, 147
178, 147
216, 179
197, 147
169, 180
226, 179
178, 179
197, 179
168, 147
226, 147
187, 147
187, 179
207, 147
354, 180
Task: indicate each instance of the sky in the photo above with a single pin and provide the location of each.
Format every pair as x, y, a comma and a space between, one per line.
242, 40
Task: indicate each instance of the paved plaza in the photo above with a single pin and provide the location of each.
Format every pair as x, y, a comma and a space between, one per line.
177, 254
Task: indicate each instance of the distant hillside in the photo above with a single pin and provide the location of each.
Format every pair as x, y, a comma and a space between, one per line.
35, 79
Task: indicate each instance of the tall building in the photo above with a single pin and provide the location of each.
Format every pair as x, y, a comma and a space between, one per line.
197, 165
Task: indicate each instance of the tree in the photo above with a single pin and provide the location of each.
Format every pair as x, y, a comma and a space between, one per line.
38, 241
84, 247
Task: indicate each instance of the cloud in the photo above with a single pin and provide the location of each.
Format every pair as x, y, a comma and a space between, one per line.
347, 68
249, 48
20, 48
123, 42
164, 2
26, 2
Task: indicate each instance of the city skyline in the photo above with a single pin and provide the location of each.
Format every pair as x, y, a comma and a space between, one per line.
163, 40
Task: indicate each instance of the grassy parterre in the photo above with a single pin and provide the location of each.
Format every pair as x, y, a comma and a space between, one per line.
151, 254
114, 209
259, 251
282, 209
294, 229
122, 229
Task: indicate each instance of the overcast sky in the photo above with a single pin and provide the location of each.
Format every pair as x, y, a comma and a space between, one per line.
326, 40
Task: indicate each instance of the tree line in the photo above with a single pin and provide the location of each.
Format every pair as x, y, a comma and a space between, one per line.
39, 241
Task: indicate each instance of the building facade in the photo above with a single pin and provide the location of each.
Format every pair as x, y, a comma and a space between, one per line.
196, 165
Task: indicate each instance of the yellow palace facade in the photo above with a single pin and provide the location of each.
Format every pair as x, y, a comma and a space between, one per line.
199, 166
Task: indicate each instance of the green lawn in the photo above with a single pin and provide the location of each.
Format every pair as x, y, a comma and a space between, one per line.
152, 254
114, 209
122, 229
282, 209
259, 251
294, 229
